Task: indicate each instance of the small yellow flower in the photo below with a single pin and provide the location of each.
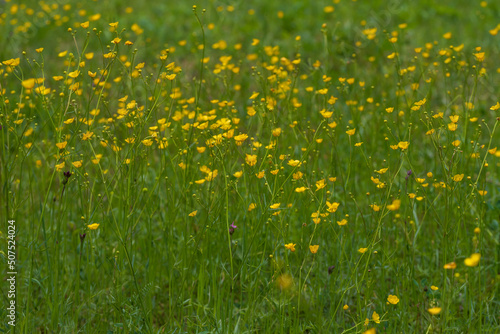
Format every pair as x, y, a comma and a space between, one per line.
87, 135
376, 317
393, 299
251, 160
192, 214
77, 164
473, 260
395, 205
351, 132
60, 166
314, 248
451, 265
332, 207
346, 307
403, 145
290, 246
74, 74
294, 163
458, 177
434, 310
370, 331
93, 226
342, 222
320, 184
275, 205
434, 288
252, 206
362, 250
300, 189
61, 145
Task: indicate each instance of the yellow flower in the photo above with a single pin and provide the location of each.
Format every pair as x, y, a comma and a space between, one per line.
479, 56
342, 222
403, 145
434, 310
313, 248
351, 132
320, 184
250, 159
60, 166
393, 299
434, 287
375, 207
277, 132
458, 177
192, 214
370, 331
28, 84
376, 317
294, 163
77, 164
238, 174
87, 135
74, 74
395, 205
252, 206
61, 145
473, 260
275, 205
93, 226
451, 265
332, 207
452, 126
362, 250
300, 189
290, 246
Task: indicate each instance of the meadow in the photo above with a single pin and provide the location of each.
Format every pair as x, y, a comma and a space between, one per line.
250, 166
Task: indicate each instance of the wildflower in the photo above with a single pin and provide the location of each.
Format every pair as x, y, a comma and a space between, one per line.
232, 227
192, 214
320, 184
87, 135
300, 189
251, 160
393, 299
93, 226
434, 310
362, 250
252, 206
473, 260
294, 163
451, 265
275, 205
395, 205
314, 248
403, 145
345, 307
61, 145
290, 246
376, 317
434, 287
351, 132
342, 222
332, 207
458, 177
370, 331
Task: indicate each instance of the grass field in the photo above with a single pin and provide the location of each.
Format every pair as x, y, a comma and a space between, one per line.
250, 166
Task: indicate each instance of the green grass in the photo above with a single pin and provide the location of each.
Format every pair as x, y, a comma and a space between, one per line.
243, 113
